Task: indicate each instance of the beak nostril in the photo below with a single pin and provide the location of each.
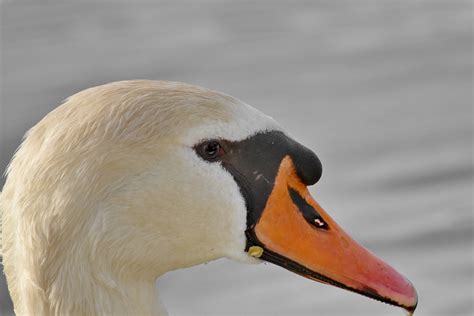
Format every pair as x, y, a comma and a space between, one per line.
308, 212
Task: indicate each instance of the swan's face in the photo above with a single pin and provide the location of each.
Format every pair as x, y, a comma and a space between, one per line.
168, 175
232, 184
284, 224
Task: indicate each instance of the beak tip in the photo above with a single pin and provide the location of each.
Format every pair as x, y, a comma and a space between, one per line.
412, 298
395, 290
407, 297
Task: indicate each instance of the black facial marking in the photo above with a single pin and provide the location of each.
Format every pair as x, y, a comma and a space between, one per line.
254, 164
309, 213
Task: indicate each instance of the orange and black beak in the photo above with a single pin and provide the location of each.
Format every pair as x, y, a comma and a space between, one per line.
287, 227
297, 234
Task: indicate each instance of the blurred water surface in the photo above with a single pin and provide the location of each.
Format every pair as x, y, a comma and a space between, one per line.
381, 90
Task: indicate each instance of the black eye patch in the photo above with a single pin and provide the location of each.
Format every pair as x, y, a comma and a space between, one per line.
254, 163
309, 213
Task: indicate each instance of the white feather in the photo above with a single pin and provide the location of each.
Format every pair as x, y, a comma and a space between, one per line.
105, 194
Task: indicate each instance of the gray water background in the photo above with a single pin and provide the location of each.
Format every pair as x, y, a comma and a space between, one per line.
380, 90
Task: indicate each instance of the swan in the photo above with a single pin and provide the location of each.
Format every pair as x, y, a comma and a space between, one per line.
126, 181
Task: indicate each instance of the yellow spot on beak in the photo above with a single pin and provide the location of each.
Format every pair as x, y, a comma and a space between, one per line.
255, 251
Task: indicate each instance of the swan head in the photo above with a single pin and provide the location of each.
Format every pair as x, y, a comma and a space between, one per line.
137, 178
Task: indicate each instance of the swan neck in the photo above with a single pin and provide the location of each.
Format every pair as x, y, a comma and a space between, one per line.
129, 298
92, 294
115, 295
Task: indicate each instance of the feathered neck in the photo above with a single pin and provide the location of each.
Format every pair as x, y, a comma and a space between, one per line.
82, 288
101, 188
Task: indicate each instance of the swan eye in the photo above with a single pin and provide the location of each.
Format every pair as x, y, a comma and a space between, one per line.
211, 150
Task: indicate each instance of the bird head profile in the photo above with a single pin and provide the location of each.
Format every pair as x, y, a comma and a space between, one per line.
126, 181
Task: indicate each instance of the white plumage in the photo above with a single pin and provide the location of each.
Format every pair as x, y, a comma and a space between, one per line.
111, 190
105, 194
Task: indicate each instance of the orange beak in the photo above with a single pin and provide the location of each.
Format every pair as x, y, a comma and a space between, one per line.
297, 234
